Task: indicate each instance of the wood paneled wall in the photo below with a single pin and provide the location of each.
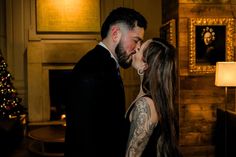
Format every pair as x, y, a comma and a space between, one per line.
198, 96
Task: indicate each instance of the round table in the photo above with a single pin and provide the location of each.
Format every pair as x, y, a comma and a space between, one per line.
48, 140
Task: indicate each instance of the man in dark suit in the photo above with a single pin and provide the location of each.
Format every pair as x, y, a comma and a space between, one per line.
96, 102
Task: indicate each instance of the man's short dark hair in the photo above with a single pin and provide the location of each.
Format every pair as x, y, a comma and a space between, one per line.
123, 15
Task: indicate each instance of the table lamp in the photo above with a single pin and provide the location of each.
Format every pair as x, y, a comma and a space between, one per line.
225, 76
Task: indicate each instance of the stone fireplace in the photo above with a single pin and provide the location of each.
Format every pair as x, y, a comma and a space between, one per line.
42, 57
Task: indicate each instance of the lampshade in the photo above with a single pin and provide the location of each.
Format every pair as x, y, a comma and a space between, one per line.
225, 75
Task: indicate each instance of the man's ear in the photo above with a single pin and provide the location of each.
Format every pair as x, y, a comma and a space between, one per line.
116, 33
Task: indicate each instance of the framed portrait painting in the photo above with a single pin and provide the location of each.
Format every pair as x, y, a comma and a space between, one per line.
211, 40
168, 32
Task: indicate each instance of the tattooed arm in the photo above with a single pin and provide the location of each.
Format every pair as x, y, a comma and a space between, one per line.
143, 121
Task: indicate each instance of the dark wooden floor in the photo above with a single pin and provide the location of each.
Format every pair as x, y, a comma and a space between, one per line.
22, 148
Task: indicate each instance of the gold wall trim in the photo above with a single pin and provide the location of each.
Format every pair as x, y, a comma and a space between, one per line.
168, 32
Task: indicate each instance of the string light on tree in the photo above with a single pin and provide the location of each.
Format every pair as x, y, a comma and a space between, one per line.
10, 103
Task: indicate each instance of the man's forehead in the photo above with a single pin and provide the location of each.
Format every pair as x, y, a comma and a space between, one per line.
137, 32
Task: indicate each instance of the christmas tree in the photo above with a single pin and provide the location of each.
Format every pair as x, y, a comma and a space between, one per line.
10, 103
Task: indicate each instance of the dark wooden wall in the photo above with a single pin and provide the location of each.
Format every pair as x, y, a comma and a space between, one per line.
198, 96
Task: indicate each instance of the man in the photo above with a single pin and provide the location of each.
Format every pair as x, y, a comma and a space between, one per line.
96, 102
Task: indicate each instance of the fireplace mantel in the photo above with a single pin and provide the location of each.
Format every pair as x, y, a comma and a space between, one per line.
41, 57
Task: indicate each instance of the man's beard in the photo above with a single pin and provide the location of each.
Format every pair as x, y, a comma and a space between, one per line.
124, 60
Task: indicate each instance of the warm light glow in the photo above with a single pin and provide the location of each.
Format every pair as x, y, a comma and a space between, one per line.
225, 74
68, 15
63, 117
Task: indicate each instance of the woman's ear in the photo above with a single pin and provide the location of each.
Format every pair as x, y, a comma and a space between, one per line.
142, 69
145, 66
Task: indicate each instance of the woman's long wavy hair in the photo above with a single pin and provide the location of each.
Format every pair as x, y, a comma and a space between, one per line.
160, 83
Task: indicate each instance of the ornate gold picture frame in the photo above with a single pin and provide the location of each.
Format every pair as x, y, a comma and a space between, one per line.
168, 32
211, 40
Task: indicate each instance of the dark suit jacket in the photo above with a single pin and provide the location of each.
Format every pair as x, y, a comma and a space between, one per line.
96, 108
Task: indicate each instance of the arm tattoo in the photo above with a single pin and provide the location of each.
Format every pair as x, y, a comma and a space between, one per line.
141, 128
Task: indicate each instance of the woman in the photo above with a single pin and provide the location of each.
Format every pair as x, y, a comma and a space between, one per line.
151, 115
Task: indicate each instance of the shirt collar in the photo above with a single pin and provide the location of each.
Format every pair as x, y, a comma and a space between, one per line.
112, 56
